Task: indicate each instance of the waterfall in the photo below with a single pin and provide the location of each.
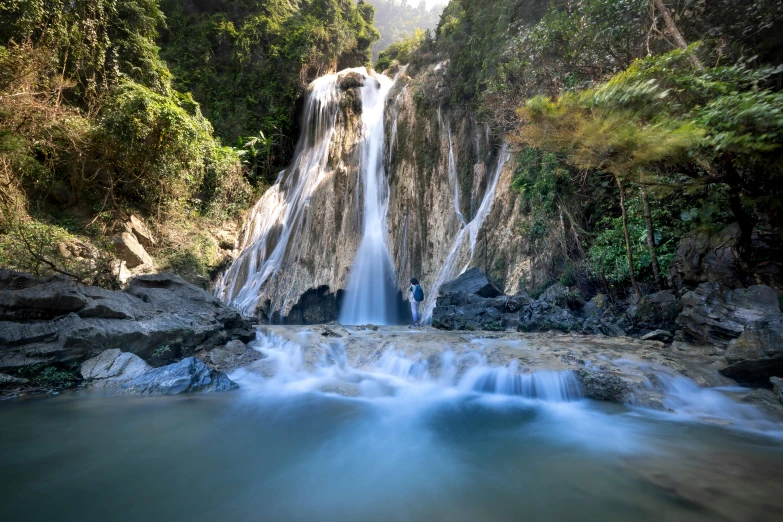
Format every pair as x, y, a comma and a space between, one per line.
463, 247
269, 239
452, 169
371, 293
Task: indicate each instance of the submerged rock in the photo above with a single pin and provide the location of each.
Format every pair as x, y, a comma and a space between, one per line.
187, 376
604, 386
767, 400
233, 355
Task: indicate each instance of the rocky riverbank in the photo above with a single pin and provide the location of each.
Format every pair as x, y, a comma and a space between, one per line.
739, 329
50, 327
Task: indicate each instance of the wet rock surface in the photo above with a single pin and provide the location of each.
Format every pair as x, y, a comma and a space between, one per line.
233, 355
611, 369
189, 375
160, 318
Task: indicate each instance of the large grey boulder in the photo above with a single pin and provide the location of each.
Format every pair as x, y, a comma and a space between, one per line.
128, 249
757, 354
657, 311
160, 318
187, 376
707, 256
112, 368
480, 316
542, 316
716, 314
562, 296
472, 281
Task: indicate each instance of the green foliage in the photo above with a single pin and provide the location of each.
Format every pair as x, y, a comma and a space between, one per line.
540, 179
50, 376
607, 259
248, 62
154, 146
406, 51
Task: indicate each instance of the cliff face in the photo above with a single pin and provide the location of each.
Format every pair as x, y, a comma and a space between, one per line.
449, 201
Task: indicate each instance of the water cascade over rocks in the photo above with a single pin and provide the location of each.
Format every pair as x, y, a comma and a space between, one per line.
463, 248
269, 241
370, 297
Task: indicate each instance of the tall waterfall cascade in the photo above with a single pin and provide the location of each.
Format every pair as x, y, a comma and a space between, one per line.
320, 234
371, 293
269, 241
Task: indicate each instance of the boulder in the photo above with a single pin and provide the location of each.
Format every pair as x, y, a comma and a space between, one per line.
112, 368
128, 249
657, 311
479, 316
233, 355
757, 355
187, 376
140, 230
542, 316
659, 335
562, 296
598, 306
472, 281
767, 401
707, 256
604, 386
159, 317
715, 314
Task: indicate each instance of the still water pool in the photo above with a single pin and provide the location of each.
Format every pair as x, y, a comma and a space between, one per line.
450, 456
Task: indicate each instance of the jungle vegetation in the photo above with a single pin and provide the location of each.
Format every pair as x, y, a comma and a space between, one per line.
636, 122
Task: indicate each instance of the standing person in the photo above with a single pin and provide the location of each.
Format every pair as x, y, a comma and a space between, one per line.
416, 296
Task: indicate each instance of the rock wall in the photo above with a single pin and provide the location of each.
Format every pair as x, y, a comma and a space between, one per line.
440, 164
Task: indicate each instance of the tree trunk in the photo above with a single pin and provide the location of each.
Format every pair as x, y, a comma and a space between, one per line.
656, 268
631, 275
667, 17
746, 222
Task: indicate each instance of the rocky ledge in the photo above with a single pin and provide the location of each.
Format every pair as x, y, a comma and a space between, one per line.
51, 326
742, 328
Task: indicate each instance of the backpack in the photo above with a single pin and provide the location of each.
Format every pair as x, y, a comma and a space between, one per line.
418, 293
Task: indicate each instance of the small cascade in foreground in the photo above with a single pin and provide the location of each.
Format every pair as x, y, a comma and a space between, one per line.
298, 366
463, 247
371, 293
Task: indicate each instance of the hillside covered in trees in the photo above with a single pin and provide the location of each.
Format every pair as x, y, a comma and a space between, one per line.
399, 19
636, 122
179, 111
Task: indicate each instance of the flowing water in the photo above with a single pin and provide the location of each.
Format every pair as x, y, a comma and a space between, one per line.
318, 439
371, 295
269, 242
463, 248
